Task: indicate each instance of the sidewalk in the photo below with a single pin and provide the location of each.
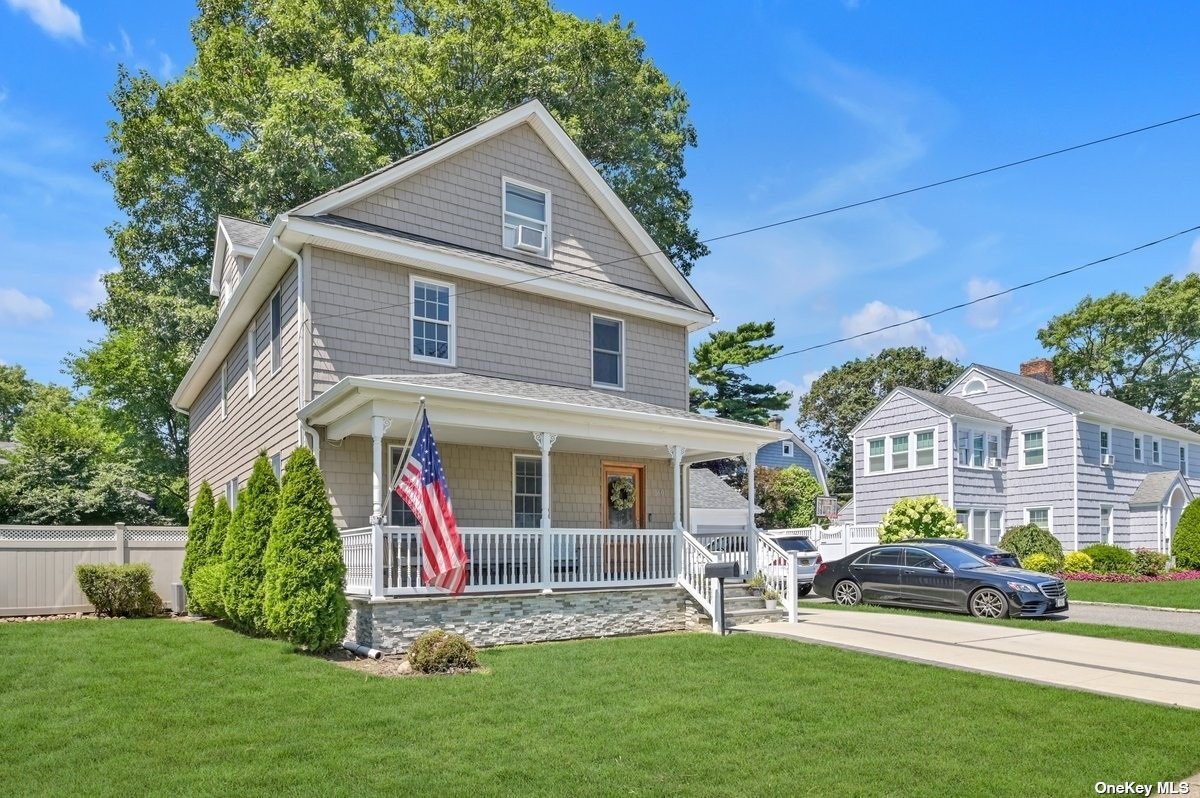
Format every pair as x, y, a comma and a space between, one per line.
1144, 672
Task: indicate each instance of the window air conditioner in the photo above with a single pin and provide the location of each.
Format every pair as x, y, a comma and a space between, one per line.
1108, 460
994, 462
530, 239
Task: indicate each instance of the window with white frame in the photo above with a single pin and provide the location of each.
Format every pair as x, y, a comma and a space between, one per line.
995, 525
787, 449
899, 452
1040, 516
231, 493
526, 219
608, 343
276, 330
399, 514
1137, 448
224, 389
527, 492
876, 455
1105, 441
1156, 451
1106, 524
432, 306
981, 524
251, 362
1033, 448
277, 465
926, 449
1183, 464
975, 447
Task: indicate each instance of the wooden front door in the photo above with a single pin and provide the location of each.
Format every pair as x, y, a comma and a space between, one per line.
622, 506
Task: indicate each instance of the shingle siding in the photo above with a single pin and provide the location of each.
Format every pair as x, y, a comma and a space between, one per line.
501, 332
772, 456
221, 449
875, 493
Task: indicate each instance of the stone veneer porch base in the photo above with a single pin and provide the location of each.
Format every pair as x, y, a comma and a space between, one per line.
490, 620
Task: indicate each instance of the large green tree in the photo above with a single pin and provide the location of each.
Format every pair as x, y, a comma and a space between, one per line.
719, 366
842, 397
16, 389
1143, 350
288, 98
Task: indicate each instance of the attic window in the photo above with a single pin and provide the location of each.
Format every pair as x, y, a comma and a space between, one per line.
975, 387
526, 219
787, 449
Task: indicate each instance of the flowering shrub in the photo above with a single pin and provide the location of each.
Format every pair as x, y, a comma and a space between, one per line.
1076, 562
1149, 562
919, 517
1173, 576
1042, 563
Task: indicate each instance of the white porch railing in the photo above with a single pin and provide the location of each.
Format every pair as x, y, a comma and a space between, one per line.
728, 546
778, 568
514, 559
691, 575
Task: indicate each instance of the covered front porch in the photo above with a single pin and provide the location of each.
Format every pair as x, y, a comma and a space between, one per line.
555, 489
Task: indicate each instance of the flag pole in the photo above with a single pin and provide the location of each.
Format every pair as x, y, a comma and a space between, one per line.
391, 491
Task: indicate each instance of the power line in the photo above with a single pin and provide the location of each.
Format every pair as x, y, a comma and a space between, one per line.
961, 305
804, 217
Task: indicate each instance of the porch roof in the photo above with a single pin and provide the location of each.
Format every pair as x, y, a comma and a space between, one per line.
491, 411
1156, 488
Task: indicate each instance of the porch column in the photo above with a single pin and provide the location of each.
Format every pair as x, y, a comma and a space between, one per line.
545, 440
677, 453
379, 426
751, 529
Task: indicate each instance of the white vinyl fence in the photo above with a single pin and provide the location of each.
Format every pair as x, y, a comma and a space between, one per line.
37, 563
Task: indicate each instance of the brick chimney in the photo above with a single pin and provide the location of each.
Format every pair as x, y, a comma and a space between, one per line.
1039, 369
775, 422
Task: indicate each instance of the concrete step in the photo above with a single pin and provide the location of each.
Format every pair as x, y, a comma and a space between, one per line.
742, 617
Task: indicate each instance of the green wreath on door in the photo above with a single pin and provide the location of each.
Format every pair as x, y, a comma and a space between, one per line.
621, 493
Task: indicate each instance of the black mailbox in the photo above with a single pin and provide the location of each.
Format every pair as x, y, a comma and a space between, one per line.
729, 569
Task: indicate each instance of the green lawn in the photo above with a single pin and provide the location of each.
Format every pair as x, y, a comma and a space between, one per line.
1184, 593
1152, 636
160, 707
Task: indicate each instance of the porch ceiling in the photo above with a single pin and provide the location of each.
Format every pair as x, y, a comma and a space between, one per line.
507, 412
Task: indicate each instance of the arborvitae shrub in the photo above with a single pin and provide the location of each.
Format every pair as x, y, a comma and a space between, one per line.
200, 526
204, 597
245, 545
304, 599
1186, 544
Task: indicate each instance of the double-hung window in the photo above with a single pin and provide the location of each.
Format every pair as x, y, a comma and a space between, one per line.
1137, 448
1033, 449
1156, 451
1183, 464
899, 452
976, 447
1106, 524
787, 449
608, 344
876, 455
926, 453
526, 219
1105, 441
527, 492
432, 321
1039, 516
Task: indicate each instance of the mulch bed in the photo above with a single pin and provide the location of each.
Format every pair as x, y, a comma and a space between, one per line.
390, 665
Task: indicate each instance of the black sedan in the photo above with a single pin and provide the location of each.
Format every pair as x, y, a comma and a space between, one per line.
938, 576
994, 555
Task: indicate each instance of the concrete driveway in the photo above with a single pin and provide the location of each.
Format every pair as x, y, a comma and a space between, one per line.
1159, 674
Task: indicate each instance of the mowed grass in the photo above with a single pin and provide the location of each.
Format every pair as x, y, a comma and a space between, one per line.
1152, 636
1184, 594
170, 708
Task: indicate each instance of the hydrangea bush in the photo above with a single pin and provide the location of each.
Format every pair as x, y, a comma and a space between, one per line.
919, 517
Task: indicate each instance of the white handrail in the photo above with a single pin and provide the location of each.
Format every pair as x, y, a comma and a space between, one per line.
691, 574
778, 568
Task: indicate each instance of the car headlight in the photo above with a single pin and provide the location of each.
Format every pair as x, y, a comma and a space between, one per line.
1022, 587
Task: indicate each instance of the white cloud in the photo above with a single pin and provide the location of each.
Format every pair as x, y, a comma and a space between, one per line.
1194, 256
876, 314
89, 295
126, 43
18, 308
986, 314
52, 16
166, 66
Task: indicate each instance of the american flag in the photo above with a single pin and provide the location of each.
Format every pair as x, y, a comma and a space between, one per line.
423, 488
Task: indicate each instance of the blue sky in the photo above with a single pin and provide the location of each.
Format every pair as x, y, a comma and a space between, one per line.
799, 106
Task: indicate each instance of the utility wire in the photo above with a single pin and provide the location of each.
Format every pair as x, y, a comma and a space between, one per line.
804, 217
961, 305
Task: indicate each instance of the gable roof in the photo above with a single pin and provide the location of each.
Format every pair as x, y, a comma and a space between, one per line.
812, 453
1157, 486
707, 491
534, 114
243, 236
947, 406
1104, 408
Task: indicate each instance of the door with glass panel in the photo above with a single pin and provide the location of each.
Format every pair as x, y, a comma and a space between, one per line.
622, 509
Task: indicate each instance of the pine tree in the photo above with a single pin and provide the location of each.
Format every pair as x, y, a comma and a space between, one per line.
245, 545
304, 600
222, 516
200, 527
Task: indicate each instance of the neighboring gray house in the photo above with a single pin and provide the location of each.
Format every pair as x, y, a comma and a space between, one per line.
1005, 449
791, 451
497, 278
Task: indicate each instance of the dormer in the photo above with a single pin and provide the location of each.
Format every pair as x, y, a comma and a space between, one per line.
237, 241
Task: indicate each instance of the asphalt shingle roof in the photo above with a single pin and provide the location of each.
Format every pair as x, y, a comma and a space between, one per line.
1107, 408
244, 232
580, 397
953, 405
1154, 487
707, 491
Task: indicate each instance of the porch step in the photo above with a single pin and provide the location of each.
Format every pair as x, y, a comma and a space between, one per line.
747, 615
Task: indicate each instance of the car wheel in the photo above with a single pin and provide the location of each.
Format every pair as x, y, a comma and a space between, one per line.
804, 590
846, 592
988, 603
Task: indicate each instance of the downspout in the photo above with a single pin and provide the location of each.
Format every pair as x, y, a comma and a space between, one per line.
950, 462
1075, 455
301, 329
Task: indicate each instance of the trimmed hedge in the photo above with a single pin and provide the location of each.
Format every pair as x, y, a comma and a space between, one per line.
438, 651
1042, 563
303, 599
1108, 559
1185, 546
1076, 562
245, 545
204, 597
124, 590
200, 526
919, 517
1032, 539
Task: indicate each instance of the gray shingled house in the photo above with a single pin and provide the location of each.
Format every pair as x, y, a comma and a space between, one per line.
498, 277
1006, 449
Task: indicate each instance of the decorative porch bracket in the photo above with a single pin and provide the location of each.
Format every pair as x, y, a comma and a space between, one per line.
545, 440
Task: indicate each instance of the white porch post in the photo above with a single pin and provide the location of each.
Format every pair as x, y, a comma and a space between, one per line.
677, 453
751, 529
379, 426
545, 440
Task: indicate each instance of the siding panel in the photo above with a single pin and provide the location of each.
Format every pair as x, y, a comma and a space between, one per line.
875, 493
